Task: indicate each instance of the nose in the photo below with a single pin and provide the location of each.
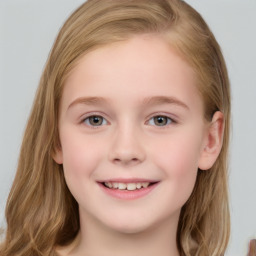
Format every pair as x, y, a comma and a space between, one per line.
127, 147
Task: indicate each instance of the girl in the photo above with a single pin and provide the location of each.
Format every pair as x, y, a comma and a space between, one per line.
125, 151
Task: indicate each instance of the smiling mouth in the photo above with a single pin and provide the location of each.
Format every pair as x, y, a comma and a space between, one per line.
128, 189
127, 186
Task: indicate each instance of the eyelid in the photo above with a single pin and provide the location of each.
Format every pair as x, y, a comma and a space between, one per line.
91, 114
173, 119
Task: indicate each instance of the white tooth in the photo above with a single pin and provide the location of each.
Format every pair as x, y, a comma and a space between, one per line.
145, 184
106, 184
131, 186
122, 186
115, 185
138, 185
110, 185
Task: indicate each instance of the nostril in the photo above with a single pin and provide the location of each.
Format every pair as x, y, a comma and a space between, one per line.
126, 160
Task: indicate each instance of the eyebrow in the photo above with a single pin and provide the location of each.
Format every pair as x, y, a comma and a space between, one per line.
155, 100
88, 101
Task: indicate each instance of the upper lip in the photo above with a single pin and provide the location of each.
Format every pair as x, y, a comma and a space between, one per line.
132, 180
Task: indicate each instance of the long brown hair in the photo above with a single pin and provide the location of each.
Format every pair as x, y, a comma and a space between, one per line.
41, 213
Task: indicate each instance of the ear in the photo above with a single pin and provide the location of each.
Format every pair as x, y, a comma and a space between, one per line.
213, 142
57, 155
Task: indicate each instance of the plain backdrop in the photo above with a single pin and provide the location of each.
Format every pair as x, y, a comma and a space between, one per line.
27, 31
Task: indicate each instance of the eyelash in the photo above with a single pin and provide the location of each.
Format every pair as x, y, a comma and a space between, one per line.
86, 121
169, 121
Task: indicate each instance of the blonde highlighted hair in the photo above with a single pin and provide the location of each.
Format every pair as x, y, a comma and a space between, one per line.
41, 213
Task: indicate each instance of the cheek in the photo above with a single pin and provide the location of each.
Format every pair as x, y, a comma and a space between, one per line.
80, 158
181, 153
178, 158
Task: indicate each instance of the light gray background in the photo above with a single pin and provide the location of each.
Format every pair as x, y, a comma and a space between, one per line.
27, 31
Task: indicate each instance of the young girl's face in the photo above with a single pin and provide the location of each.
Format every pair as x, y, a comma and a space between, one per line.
131, 118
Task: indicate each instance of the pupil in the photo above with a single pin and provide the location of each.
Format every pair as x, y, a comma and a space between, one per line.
160, 120
96, 120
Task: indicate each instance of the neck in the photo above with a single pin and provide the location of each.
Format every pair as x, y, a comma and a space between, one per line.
94, 239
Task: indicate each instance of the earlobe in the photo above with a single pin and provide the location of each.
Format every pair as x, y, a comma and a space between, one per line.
213, 142
57, 156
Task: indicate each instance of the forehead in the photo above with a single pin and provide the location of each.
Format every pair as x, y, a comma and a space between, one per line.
141, 67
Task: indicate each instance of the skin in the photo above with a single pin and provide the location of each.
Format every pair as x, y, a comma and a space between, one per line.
124, 79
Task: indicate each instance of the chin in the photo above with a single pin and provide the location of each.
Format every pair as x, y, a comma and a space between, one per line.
130, 226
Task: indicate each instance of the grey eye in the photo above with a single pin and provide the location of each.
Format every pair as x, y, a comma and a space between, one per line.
160, 120
95, 121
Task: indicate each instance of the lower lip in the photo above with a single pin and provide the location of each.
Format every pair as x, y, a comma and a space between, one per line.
128, 194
